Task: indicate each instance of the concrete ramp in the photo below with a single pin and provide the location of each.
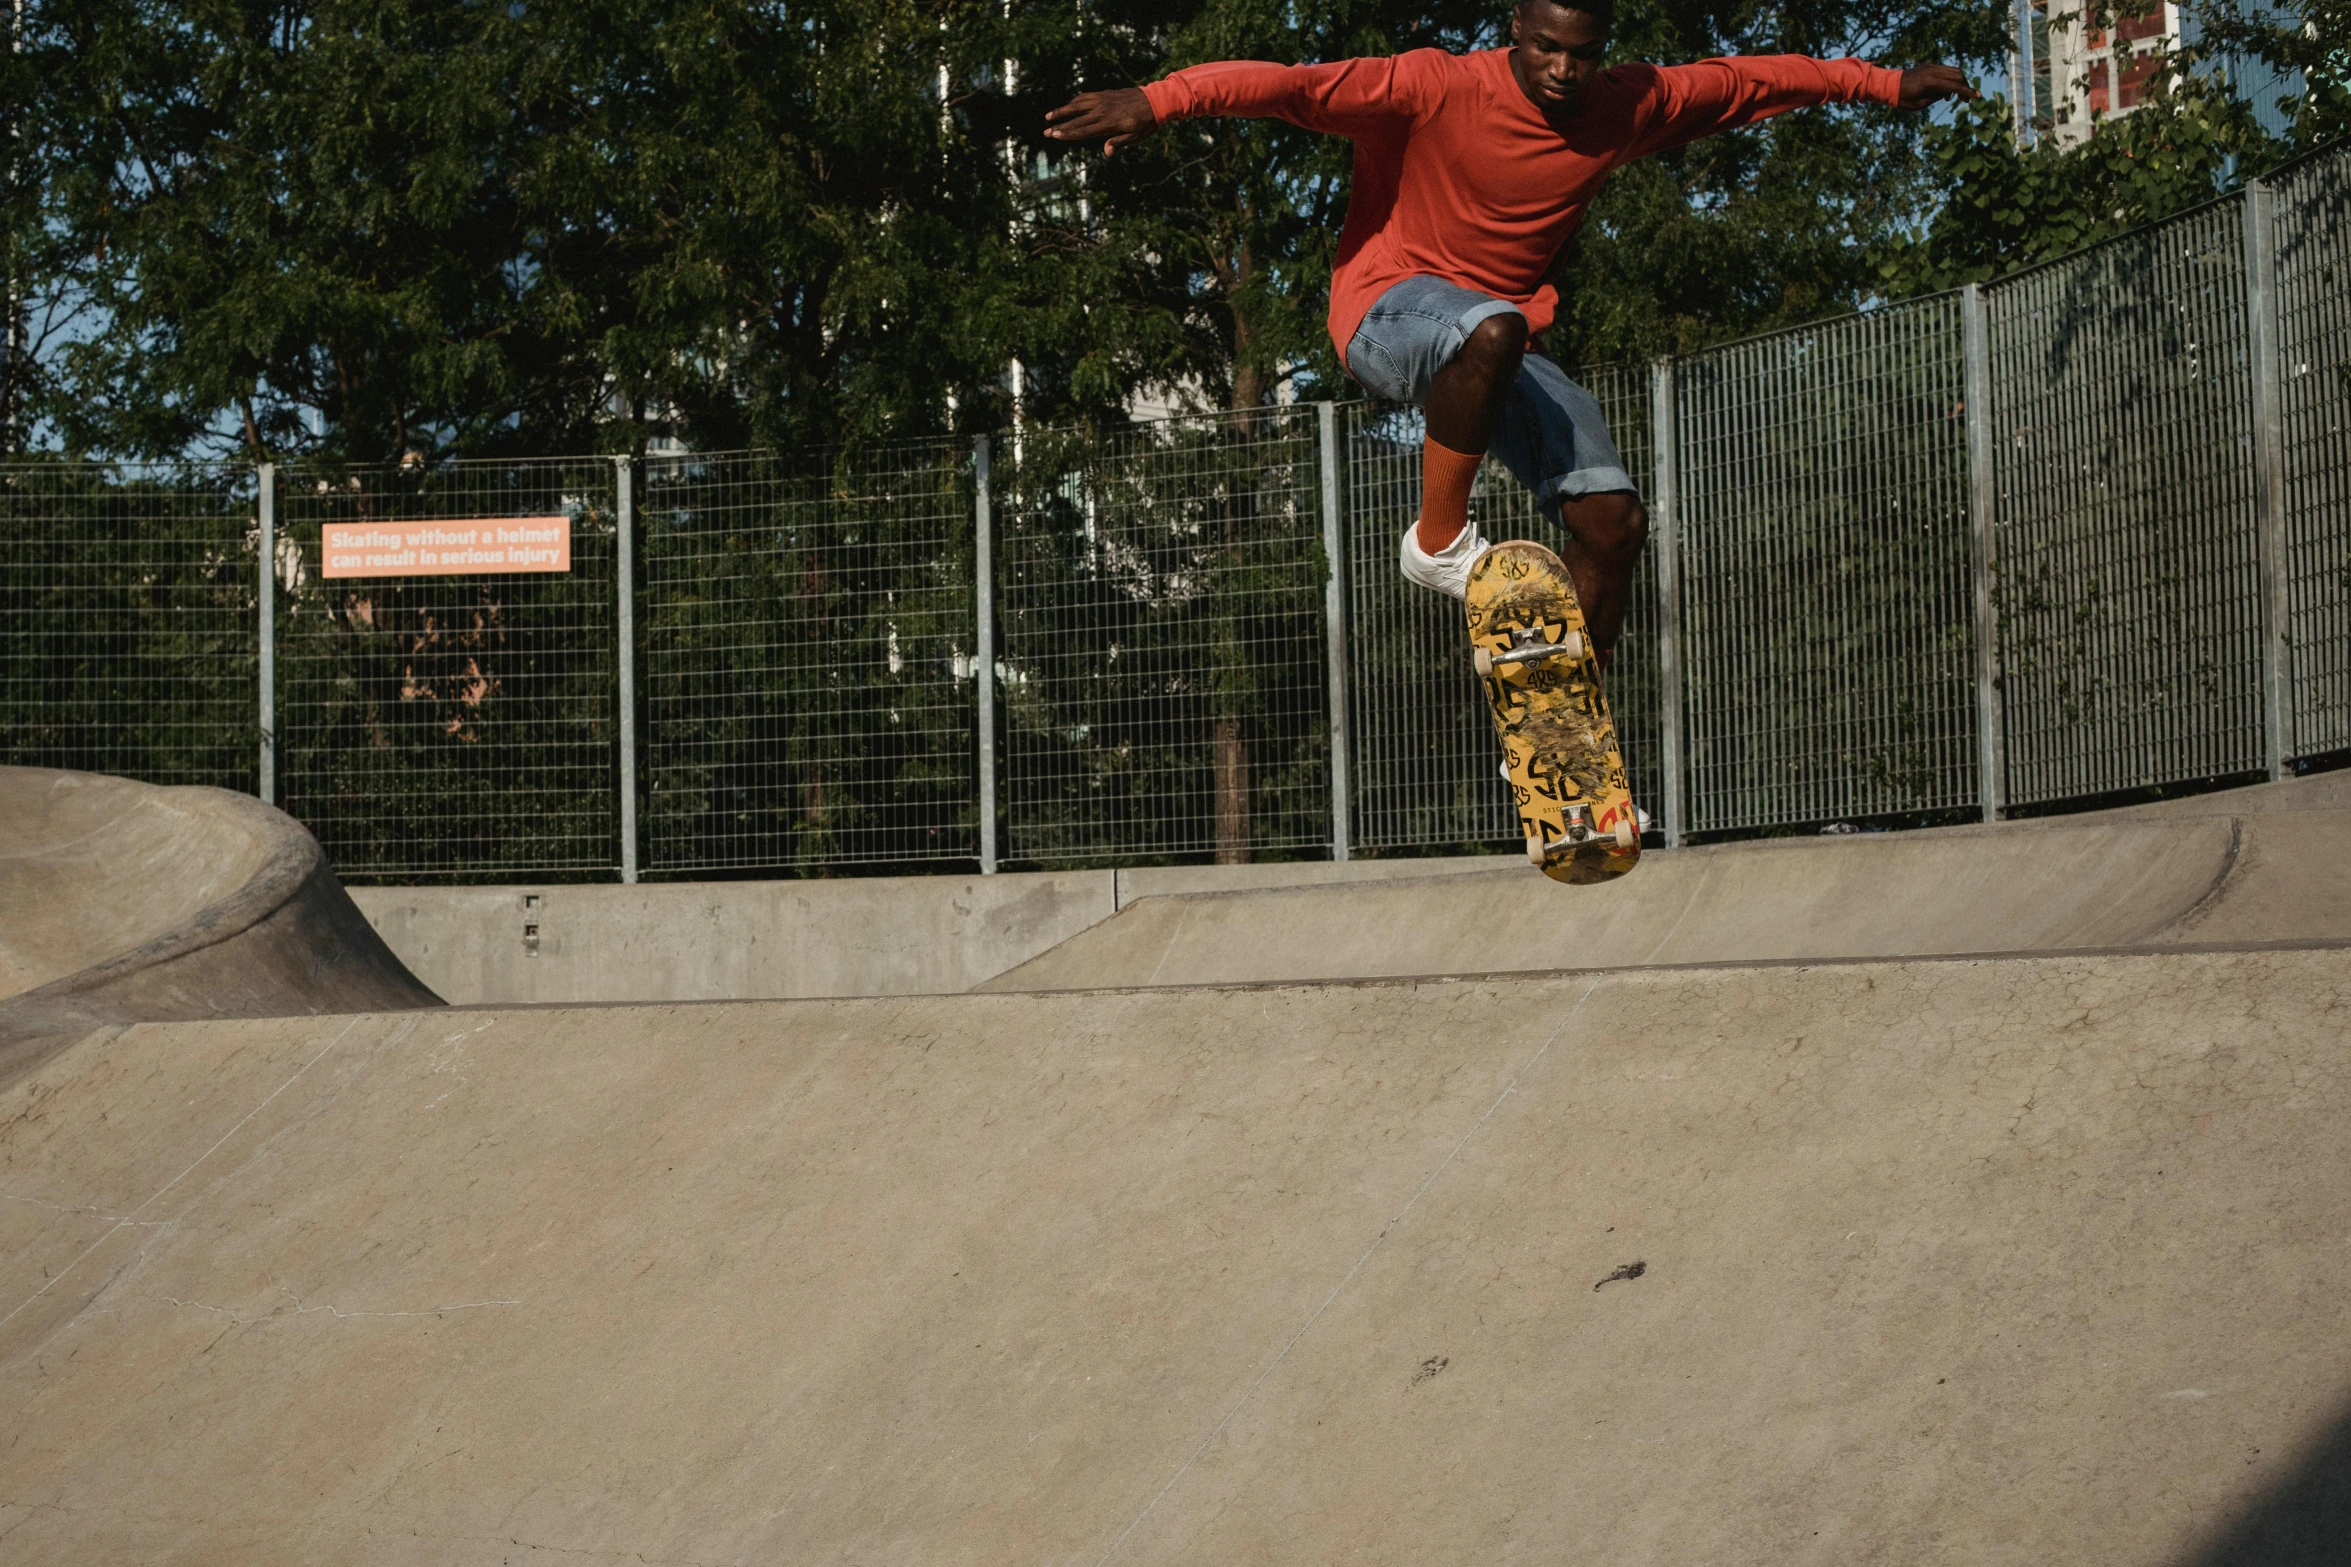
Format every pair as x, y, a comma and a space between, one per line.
2245, 865
123, 901
2250, 865
2010, 1260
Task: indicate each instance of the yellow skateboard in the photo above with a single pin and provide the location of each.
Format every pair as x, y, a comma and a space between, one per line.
1535, 658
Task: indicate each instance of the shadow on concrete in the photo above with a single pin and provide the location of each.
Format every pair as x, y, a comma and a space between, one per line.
2304, 1521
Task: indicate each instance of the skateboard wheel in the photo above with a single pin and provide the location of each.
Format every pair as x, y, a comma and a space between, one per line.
1483, 658
1535, 852
1628, 836
1574, 643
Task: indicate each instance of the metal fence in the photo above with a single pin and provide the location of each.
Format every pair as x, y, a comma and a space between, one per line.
2128, 579
1162, 672
2308, 208
1824, 559
432, 727
127, 621
808, 635
2082, 531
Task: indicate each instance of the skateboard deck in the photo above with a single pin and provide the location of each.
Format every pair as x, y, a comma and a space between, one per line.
1535, 659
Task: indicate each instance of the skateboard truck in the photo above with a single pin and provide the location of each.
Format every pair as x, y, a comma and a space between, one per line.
1526, 647
1579, 829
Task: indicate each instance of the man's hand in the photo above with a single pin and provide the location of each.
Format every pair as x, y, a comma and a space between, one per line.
1925, 84
1119, 116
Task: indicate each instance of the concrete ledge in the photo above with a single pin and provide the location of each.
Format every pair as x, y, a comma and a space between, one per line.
2241, 865
1178, 881
732, 941
776, 940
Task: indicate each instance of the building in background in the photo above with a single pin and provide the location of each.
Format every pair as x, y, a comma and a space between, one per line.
2079, 63
2084, 72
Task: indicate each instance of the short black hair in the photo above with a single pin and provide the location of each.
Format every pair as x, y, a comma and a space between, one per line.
1601, 11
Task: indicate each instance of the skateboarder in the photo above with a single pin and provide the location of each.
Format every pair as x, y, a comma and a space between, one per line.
1471, 174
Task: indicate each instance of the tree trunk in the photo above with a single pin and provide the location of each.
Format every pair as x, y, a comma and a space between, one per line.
1248, 380
1232, 793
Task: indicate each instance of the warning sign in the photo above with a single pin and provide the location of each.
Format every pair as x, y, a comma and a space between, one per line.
464, 547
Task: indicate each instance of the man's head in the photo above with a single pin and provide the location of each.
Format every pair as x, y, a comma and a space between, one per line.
1556, 48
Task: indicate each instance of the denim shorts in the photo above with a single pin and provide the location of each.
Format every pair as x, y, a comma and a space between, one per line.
1550, 433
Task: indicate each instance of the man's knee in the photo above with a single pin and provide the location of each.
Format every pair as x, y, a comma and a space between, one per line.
1633, 533
1614, 526
1497, 344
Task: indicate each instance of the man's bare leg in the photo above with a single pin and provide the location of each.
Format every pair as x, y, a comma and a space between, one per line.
1465, 398
1604, 537
1604, 532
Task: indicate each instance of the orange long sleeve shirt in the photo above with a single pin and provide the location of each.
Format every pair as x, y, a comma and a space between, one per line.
1457, 175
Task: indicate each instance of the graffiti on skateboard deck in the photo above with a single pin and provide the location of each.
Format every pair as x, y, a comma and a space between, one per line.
1535, 659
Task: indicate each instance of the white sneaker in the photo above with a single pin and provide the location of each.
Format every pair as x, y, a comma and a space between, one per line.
1447, 571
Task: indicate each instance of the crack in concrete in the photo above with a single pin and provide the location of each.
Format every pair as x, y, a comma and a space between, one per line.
29, 1508
192, 1166
136, 1262
58, 1207
560, 1550
1183, 918
302, 1308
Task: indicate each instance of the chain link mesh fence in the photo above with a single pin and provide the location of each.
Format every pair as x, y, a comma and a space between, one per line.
1162, 678
1825, 572
1424, 768
2127, 576
128, 635
2312, 217
1633, 683
452, 726
1427, 768
808, 636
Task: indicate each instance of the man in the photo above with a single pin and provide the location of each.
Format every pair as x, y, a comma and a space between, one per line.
1471, 174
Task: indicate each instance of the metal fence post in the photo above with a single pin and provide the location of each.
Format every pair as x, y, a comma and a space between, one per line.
983, 581
1665, 508
2269, 475
267, 632
1982, 507
624, 475
1334, 612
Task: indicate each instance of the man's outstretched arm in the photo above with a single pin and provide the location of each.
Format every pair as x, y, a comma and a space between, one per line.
1694, 101
1342, 98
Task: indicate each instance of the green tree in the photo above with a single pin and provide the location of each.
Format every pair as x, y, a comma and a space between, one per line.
360, 228
762, 222
1774, 224
44, 274
2307, 45
2009, 206
295, 207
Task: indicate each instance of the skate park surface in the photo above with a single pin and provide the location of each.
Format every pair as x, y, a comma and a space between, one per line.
2029, 1243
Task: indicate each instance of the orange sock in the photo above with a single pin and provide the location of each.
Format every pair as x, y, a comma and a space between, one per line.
1445, 478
